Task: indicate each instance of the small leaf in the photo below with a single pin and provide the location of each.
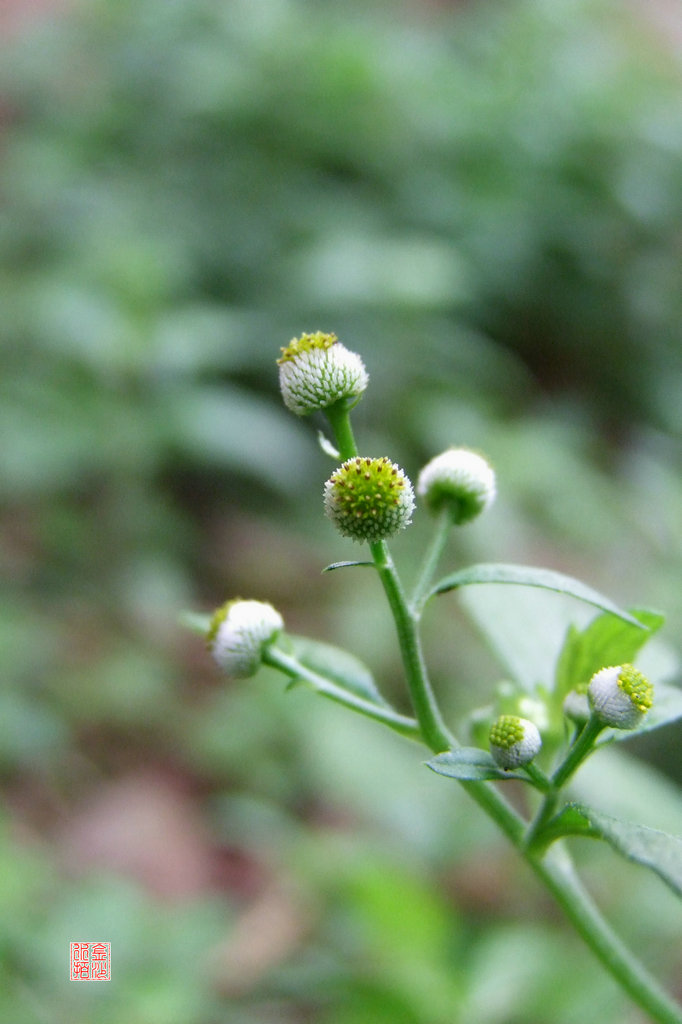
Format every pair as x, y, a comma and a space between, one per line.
340, 666
469, 764
344, 565
658, 851
327, 447
607, 640
195, 621
528, 576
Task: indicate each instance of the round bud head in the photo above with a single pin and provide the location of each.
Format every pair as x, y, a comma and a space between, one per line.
369, 499
620, 696
460, 480
513, 741
239, 633
316, 371
576, 705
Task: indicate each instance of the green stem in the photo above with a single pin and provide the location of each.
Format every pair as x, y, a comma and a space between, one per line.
436, 735
557, 873
583, 745
291, 667
431, 558
433, 728
339, 420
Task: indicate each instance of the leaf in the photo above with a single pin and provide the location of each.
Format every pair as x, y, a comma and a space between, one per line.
607, 640
344, 565
469, 764
197, 622
658, 851
528, 576
327, 447
340, 666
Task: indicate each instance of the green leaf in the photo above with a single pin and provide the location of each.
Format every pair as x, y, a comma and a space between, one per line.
527, 576
340, 666
344, 565
469, 764
197, 622
607, 640
658, 851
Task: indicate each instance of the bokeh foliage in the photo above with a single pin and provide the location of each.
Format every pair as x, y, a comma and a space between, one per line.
485, 201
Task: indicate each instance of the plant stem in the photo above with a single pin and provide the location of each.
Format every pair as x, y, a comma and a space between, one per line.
339, 420
436, 735
431, 558
581, 747
557, 873
291, 667
577, 753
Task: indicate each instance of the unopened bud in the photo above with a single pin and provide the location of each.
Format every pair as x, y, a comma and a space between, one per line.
316, 370
460, 480
369, 499
514, 741
239, 633
620, 696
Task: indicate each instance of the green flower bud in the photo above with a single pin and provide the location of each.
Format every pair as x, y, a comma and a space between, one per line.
513, 741
620, 696
316, 371
369, 499
460, 480
239, 633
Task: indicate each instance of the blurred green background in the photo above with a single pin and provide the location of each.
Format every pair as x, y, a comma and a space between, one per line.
484, 200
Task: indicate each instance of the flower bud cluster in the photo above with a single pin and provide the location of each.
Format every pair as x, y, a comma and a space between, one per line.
239, 633
514, 741
369, 499
460, 480
316, 370
620, 696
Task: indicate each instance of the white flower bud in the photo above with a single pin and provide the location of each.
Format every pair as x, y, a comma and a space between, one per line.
620, 696
369, 499
316, 370
576, 706
238, 634
460, 480
514, 741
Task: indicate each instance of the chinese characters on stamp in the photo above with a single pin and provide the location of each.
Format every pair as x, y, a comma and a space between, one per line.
90, 961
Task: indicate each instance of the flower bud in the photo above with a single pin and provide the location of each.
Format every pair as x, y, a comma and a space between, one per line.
369, 499
239, 633
620, 696
316, 371
513, 741
460, 480
576, 705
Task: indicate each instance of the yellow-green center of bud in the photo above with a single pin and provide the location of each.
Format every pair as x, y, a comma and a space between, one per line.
506, 731
637, 687
306, 343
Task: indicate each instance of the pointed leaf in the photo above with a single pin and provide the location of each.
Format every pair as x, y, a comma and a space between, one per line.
527, 576
469, 764
344, 565
327, 447
607, 640
197, 622
658, 851
340, 666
